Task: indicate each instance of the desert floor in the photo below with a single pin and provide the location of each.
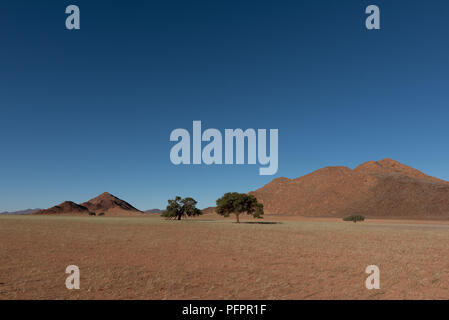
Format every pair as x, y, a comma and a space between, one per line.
210, 258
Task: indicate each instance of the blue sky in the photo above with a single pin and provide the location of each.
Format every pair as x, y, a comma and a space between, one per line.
88, 111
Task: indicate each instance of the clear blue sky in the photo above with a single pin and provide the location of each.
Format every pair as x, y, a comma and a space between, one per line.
88, 111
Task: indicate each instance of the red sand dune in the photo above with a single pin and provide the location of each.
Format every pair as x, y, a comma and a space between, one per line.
384, 189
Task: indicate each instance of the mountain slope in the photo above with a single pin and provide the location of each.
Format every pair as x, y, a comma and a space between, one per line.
67, 207
110, 204
383, 188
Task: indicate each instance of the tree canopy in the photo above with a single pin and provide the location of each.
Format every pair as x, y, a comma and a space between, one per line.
238, 203
354, 218
179, 207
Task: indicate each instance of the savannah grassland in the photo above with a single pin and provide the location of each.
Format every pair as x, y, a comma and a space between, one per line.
214, 258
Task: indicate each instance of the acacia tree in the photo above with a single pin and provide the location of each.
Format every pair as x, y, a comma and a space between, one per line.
354, 218
238, 203
179, 207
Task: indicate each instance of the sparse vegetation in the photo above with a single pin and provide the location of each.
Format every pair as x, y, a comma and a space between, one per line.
101, 214
354, 218
149, 258
179, 207
92, 213
238, 203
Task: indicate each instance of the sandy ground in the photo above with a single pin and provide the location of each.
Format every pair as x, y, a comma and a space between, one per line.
210, 258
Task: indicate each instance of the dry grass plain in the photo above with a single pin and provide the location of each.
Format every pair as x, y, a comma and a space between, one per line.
210, 258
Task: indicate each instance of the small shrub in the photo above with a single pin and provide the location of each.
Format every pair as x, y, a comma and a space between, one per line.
354, 218
92, 214
101, 214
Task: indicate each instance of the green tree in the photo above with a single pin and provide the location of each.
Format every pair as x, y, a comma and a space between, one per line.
238, 203
354, 218
179, 207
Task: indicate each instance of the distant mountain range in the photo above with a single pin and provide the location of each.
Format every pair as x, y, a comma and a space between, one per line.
381, 189
65, 208
376, 189
27, 211
154, 211
105, 203
208, 210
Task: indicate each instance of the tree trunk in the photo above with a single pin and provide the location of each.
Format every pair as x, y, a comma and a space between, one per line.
238, 218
